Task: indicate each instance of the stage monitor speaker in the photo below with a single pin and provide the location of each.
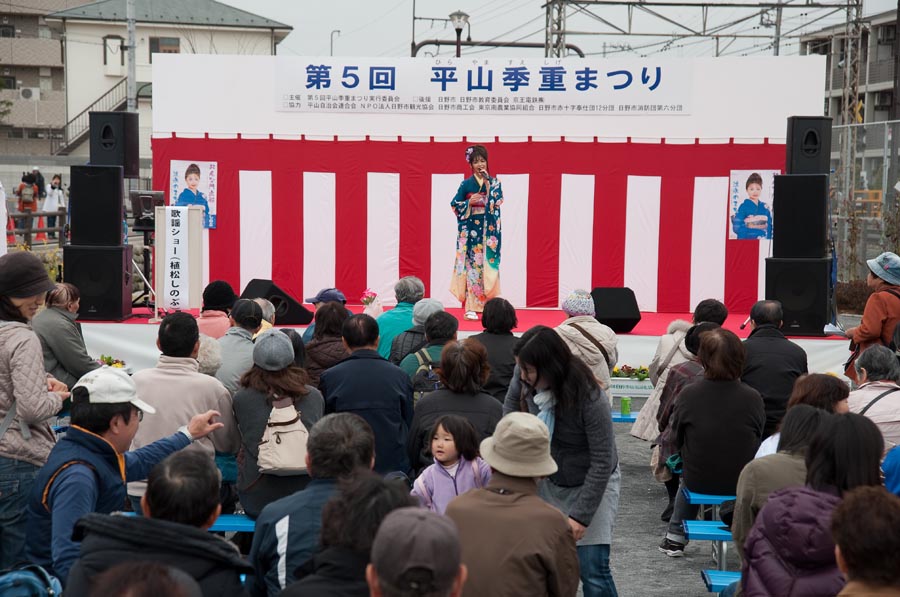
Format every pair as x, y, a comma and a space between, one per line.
803, 288
617, 308
288, 311
115, 141
808, 145
103, 277
800, 216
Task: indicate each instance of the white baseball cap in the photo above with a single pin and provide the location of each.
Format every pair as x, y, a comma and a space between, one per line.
110, 385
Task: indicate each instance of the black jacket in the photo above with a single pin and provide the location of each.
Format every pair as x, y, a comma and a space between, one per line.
482, 410
334, 572
773, 363
500, 358
381, 393
108, 540
407, 342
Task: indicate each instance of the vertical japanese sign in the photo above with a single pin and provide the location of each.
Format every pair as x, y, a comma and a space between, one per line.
750, 210
492, 86
194, 183
176, 293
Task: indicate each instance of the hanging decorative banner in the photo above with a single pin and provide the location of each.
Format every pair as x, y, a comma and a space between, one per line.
195, 183
176, 292
503, 86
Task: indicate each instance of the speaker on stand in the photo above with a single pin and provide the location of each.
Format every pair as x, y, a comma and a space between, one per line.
799, 275
103, 277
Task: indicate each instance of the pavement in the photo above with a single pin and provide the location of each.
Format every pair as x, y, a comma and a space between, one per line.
638, 568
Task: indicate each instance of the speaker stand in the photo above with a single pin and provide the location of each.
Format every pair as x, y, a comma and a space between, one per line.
149, 294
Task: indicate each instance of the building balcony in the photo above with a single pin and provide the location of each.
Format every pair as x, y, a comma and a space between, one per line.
48, 111
30, 51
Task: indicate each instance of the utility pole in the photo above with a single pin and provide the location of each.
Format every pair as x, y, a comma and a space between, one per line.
846, 173
776, 43
555, 31
131, 85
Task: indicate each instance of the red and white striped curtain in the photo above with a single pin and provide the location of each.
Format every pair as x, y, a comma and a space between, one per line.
357, 214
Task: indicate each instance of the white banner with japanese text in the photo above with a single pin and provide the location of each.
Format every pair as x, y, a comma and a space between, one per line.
176, 292
508, 86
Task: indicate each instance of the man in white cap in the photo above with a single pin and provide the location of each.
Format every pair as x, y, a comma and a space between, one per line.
87, 469
513, 542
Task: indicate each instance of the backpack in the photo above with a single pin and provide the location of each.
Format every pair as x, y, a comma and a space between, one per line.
425, 380
28, 581
27, 194
282, 448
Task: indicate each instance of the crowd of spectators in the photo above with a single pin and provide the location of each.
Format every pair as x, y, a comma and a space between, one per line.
501, 479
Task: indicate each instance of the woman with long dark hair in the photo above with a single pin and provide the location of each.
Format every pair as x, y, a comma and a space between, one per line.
561, 390
790, 550
476, 274
28, 396
274, 381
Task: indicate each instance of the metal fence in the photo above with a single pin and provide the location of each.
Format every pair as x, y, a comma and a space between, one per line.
863, 199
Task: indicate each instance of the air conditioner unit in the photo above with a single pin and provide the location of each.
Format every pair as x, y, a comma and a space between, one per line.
883, 100
30, 93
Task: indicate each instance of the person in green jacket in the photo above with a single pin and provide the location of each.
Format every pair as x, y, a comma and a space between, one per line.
408, 291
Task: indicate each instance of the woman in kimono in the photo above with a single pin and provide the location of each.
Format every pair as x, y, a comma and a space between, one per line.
476, 273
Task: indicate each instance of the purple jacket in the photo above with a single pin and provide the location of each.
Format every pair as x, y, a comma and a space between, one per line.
435, 488
789, 552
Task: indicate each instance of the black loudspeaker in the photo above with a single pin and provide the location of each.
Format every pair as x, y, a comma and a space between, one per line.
288, 311
115, 141
617, 308
808, 145
95, 205
103, 277
802, 286
800, 218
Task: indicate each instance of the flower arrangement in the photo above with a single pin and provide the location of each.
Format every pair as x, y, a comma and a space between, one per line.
368, 297
108, 360
640, 373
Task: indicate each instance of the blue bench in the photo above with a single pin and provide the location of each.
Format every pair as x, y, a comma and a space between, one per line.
618, 417
235, 523
710, 530
705, 499
718, 580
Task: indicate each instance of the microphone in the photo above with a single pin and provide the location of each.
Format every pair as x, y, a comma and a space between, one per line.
746, 321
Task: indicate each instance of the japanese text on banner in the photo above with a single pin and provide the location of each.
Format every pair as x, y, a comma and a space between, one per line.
484, 86
176, 290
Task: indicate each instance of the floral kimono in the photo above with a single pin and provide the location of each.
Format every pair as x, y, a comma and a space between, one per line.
476, 273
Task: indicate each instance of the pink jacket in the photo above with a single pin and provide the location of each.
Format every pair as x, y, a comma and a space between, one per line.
213, 323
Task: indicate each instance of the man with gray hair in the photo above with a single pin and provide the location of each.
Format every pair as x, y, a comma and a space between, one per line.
408, 291
268, 315
413, 339
878, 395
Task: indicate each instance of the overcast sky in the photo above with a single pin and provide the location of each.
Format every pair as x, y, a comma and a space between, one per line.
384, 27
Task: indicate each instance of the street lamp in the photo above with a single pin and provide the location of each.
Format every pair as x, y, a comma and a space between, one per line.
331, 47
459, 20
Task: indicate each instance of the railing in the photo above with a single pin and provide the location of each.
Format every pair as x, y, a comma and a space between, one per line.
29, 229
78, 126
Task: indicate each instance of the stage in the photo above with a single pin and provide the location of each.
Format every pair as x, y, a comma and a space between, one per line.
134, 340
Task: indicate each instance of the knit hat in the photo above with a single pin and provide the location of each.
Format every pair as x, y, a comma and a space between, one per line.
887, 267
425, 308
579, 302
22, 275
520, 447
247, 314
416, 551
218, 296
273, 351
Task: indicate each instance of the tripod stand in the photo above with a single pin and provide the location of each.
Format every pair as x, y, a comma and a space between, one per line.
149, 294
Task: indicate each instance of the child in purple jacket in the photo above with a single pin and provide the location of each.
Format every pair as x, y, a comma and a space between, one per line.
457, 467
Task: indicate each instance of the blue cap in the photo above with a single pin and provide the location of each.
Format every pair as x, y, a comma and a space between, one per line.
327, 295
